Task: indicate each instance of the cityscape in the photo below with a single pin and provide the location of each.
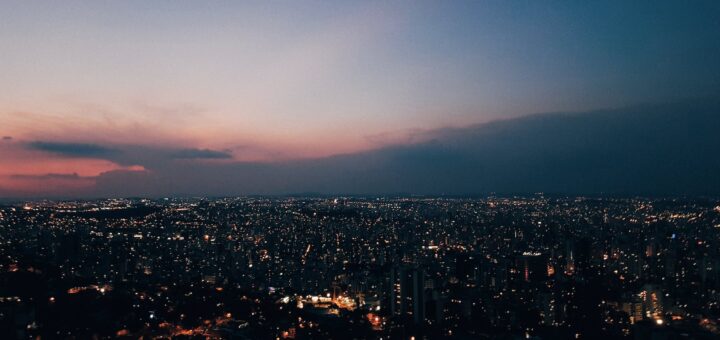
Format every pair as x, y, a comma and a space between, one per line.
359, 169
531, 267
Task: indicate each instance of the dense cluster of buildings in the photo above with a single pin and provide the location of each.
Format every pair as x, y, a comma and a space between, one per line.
405, 268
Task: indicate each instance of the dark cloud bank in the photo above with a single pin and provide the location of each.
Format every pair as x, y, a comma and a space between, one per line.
651, 150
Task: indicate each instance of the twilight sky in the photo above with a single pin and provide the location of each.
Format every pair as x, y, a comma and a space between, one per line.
139, 88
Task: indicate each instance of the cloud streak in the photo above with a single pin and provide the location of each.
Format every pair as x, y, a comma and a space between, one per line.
200, 154
51, 176
73, 149
128, 154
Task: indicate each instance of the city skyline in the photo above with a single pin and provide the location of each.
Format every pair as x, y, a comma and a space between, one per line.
533, 267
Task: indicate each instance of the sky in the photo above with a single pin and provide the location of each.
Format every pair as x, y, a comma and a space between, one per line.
139, 88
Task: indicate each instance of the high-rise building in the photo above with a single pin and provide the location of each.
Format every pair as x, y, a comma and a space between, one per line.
407, 293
